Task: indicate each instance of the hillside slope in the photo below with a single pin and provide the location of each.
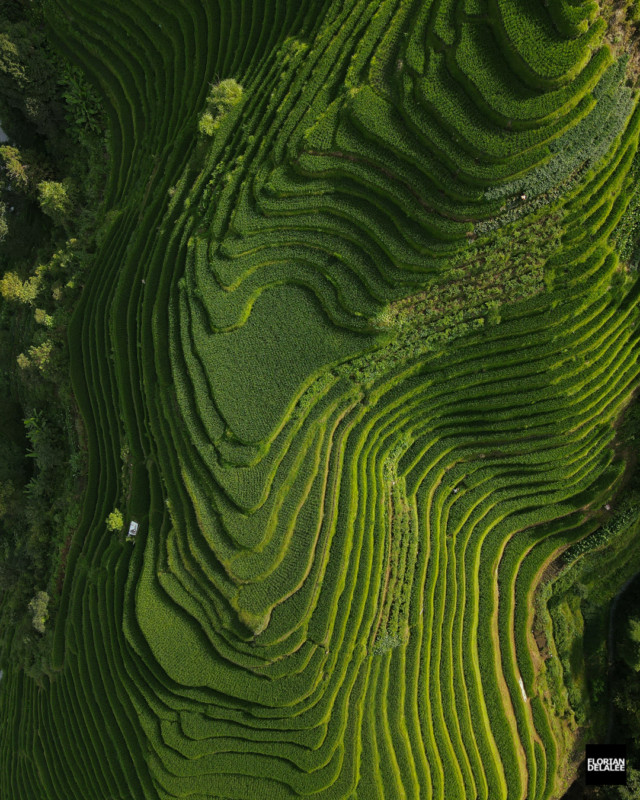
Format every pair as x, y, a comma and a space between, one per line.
352, 354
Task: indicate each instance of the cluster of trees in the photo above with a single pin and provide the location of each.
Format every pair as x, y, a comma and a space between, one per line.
52, 172
29, 88
625, 689
630, 646
24, 177
47, 107
625, 692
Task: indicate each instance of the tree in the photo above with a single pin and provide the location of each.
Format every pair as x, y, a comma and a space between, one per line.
39, 354
115, 520
7, 494
54, 200
12, 288
630, 648
12, 162
629, 792
25, 169
42, 318
207, 124
12, 69
222, 98
4, 225
29, 80
224, 95
39, 610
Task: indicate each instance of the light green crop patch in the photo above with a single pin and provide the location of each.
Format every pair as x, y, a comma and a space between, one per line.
259, 370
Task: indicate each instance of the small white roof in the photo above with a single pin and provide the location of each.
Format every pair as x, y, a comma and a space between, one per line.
133, 528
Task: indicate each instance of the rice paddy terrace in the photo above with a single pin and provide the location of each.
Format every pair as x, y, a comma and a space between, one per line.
352, 354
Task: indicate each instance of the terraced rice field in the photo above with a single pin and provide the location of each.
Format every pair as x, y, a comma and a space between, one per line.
366, 346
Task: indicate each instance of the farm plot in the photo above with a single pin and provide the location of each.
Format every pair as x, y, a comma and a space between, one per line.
367, 344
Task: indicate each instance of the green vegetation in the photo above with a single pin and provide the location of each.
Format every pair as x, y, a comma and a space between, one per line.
115, 520
48, 157
354, 336
630, 647
624, 689
220, 100
54, 200
38, 610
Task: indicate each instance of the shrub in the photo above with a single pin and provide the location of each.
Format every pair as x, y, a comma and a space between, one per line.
115, 520
207, 124
83, 103
38, 608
